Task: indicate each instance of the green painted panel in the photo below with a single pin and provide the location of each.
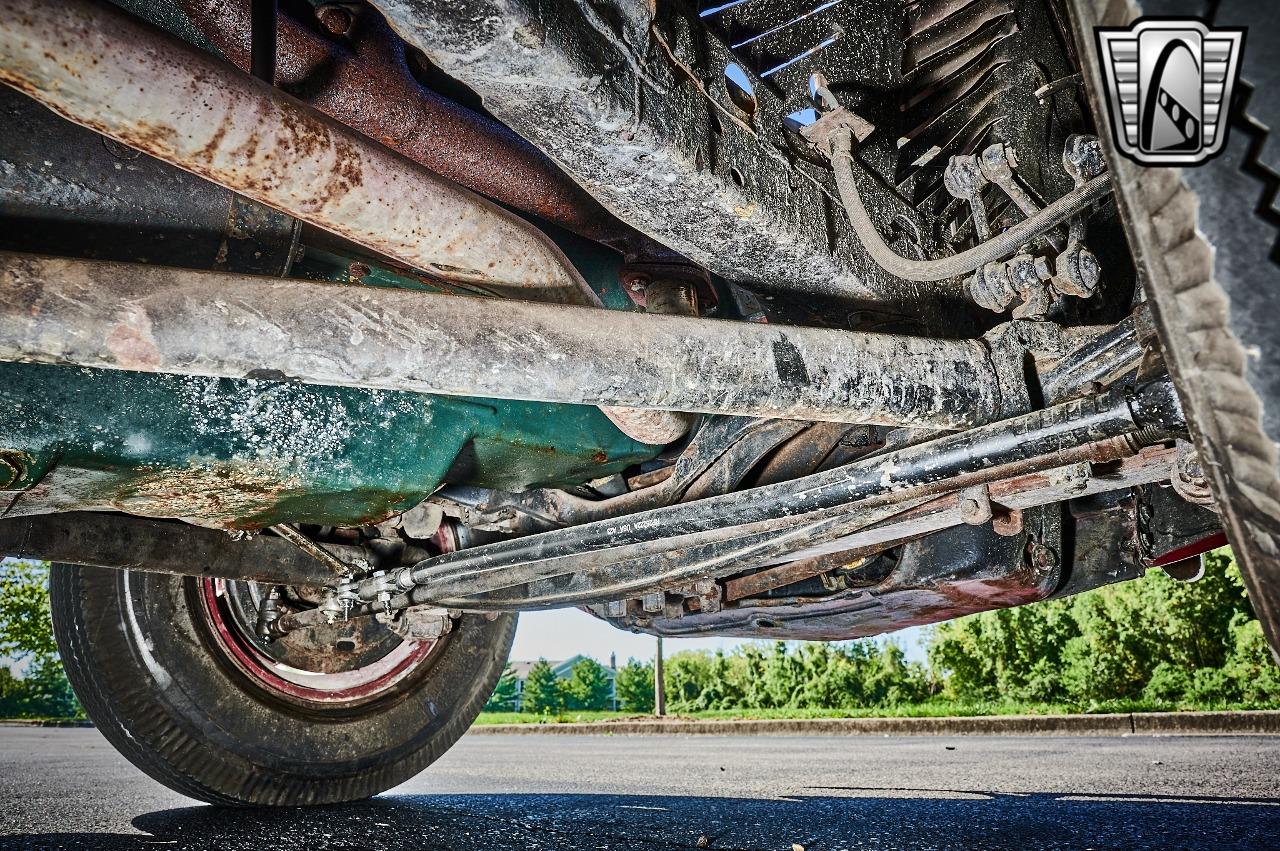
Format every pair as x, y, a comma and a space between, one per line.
246, 453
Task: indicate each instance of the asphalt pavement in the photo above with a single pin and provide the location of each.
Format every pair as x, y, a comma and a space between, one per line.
67, 788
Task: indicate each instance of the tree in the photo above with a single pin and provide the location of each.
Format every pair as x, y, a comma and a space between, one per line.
26, 638
688, 677
635, 687
504, 694
26, 630
588, 686
1154, 639
542, 691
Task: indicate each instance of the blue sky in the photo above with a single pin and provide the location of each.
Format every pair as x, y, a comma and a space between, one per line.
565, 633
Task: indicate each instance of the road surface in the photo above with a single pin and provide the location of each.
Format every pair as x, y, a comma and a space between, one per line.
64, 788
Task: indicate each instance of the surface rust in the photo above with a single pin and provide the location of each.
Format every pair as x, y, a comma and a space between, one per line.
165, 98
61, 311
364, 80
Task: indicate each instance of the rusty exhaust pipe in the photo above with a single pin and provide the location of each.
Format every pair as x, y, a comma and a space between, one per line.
97, 66
360, 76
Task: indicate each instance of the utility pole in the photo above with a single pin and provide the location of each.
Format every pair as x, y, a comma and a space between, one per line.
659, 692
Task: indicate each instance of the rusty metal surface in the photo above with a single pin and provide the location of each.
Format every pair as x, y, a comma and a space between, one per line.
669, 297
66, 190
1016, 493
630, 99
360, 75
156, 546
715, 461
1150, 465
673, 546
753, 584
917, 593
98, 67
151, 319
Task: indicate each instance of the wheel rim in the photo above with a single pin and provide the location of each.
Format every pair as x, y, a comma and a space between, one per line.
311, 668
296, 684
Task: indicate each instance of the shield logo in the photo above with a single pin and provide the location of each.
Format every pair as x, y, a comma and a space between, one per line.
1169, 85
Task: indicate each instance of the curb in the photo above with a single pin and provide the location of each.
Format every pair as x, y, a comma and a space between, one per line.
1262, 722
46, 722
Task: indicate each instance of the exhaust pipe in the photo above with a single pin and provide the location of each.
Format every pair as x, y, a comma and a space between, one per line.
97, 66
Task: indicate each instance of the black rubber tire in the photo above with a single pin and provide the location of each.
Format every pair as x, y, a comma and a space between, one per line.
1206, 239
137, 650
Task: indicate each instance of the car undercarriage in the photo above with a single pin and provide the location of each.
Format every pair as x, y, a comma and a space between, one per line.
334, 334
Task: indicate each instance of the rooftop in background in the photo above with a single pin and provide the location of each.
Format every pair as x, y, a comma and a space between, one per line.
560, 667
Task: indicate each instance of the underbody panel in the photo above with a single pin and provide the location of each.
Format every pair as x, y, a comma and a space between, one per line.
763, 319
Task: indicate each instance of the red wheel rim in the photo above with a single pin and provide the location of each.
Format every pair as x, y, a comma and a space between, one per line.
356, 686
379, 679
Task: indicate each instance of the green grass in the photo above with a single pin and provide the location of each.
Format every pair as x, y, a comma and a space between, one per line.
930, 709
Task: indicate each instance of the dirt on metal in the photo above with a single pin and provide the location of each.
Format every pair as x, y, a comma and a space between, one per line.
362, 76
99, 68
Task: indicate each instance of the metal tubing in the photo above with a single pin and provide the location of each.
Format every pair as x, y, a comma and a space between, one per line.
1068, 433
1068, 206
846, 532
152, 319
123, 542
335, 565
101, 68
1100, 361
362, 78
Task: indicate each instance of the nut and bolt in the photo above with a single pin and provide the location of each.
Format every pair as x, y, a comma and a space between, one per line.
1042, 557
1027, 272
1082, 158
1189, 479
998, 162
975, 505
998, 285
963, 177
1078, 271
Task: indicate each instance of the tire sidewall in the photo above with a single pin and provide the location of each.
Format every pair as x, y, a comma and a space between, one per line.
141, 655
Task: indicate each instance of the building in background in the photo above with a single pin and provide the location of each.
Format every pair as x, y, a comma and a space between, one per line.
563, 670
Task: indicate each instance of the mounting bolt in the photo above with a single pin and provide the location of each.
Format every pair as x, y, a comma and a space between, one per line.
1027, 272
1043, 557
1078, 271
975, 505
1189, 480
1082, 158
998, 162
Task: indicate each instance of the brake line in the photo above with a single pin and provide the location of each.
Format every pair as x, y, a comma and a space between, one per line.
1065, 208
